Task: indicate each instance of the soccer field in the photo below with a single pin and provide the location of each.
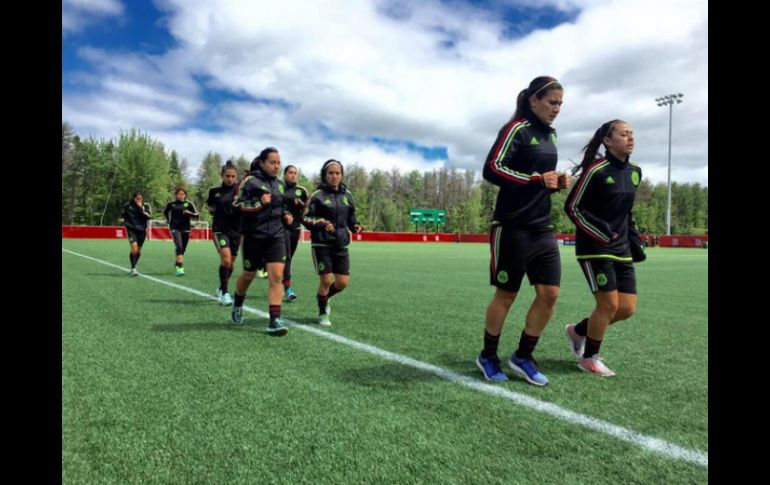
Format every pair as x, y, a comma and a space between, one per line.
159, 387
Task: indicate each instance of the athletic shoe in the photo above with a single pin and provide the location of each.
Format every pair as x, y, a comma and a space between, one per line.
527, 368
323, 320
491, 369
594, 365
577, 344
277, 328
237, 315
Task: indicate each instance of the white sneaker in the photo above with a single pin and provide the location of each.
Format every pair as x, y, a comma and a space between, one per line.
226, 299
133, 272
323, 320
577, 344
594, 365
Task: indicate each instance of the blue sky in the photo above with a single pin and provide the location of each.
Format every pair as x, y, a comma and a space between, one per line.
384, 83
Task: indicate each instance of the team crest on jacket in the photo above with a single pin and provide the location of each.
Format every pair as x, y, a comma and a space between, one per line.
635, 177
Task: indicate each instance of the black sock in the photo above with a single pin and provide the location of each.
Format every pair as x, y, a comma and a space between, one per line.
592, 347
239, 299
322, 300
224, 275
527, 345
286, 284
178, 264
334, 290
582, 328
275, 312
490, 345
133, 257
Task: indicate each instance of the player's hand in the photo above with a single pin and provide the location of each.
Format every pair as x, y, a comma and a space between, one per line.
551, 180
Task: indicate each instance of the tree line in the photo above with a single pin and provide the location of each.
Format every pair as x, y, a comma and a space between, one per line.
98, 177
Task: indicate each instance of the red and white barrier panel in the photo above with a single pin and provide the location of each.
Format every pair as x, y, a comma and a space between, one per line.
119, 232
163, 233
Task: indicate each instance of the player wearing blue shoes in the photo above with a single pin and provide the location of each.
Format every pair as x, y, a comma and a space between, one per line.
522, 162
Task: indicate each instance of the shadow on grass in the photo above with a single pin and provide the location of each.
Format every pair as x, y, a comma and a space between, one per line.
389, 376
307, 321
218, 326
184, 302
111, 274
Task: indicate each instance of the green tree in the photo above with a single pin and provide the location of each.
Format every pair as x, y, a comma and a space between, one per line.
142, 165
209, 175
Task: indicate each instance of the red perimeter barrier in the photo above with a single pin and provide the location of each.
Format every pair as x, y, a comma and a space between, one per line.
684, 241
119, 232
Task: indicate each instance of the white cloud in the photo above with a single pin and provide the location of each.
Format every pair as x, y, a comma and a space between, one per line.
76, 14
364, 74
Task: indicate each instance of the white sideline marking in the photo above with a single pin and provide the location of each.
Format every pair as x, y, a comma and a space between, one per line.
657, 445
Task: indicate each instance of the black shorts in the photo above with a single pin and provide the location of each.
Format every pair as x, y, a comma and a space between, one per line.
227, 240
136, 236
181, 238
331, 260
605, 274
518, 251
256, 251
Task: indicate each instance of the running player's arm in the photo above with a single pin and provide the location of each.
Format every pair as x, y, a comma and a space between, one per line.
596, 228
286, 203
167, 212
635, 240
124, 213
211, 201
194, 212
247, 197
302, 199
631, 221
312, 220
147, 211
498, 168
352, 222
